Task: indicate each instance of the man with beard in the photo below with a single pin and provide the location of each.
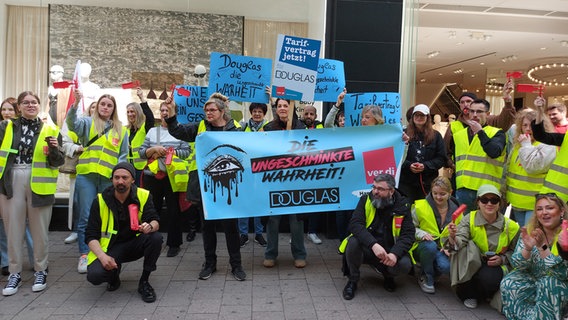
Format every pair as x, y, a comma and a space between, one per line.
382, 232
111, 236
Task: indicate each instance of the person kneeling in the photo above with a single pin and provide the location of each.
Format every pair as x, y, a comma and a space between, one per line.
111, 239
382, 232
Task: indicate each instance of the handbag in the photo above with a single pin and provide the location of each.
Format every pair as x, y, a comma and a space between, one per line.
70, 164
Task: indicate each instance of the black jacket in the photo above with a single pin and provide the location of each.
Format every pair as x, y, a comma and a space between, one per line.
93, 230
188, 132
276, 124
383, 222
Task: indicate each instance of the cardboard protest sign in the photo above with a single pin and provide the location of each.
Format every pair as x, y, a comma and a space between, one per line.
189, 103
388, 101
295, 68
245, 174
330, 80
240, 78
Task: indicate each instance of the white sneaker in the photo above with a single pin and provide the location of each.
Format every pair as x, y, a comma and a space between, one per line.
40, 281
14, 282
470, 303
82, 267
314, 238
426, 288
71, 238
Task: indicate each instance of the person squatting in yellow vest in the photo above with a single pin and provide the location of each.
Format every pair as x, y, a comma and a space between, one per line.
113, 237
479, 153
382, 232
494, 238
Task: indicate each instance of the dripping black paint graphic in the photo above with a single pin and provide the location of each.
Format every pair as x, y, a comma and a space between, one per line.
224, 172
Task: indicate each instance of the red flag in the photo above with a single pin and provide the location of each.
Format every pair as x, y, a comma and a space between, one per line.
183, 92
62, 84
459, 211
131, 85
76, 84
172, 89
532, 88
514, 74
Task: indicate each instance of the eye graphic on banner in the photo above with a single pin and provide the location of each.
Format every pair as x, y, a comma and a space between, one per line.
223, 171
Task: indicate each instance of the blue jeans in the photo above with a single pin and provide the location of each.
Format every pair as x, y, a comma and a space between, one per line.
522, 216
244, 225
4, 246
433, 261
86, 188
467, 197
296, 233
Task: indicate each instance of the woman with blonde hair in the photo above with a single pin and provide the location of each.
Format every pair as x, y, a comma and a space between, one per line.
528, 164
538, 286
140, 121
105, 144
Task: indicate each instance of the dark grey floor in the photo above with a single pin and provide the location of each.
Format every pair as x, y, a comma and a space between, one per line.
283, 292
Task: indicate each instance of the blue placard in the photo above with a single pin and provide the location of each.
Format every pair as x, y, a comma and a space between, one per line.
295, 68
330, 80
240, 78
189, 103
388, 101
298, 171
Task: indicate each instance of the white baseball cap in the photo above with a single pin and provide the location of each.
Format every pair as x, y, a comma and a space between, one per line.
421, 108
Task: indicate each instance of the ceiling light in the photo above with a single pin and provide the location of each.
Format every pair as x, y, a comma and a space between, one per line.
432, 54
534, 76
564, 43
482, 63
478, 35
543, 48
422, 80
458, 71
509, 58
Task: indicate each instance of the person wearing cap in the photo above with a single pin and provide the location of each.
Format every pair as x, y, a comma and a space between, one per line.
481, 245
113, 240
479, 152
503, 120
217, 119
425, 156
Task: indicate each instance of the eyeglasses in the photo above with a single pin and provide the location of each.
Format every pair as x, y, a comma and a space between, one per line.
476, 111
452, 118
211, 110
27, 103
486, 200
199, 75
380, 188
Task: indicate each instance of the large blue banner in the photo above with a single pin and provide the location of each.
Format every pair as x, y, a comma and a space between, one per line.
298, 171
295, 68
189, 103
388, 101
330, 81
240, 78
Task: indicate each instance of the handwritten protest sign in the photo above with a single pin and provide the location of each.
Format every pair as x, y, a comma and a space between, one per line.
298, 171
330, 80
295, 68
240, 78
190, 106
388, 101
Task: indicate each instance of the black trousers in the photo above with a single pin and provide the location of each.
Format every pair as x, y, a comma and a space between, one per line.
209, 233
482, 285
161, 189
356, 254
148, 246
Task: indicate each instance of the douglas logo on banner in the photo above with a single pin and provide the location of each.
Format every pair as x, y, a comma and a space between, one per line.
294, 198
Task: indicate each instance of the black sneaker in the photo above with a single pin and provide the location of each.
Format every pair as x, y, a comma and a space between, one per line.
172, 252
40, 282
190, 235
207, 270
244, 240
260, 240
239, 273
389, 284
114, 284
146, 291
14, 282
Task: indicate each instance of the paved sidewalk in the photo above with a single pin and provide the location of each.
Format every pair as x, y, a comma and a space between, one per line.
282, 292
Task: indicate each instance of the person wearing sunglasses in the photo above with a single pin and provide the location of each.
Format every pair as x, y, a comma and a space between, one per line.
479, 152
481, 246
538, 287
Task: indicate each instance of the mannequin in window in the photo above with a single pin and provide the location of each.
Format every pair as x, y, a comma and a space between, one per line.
89, 89
199, 73
56, 74
438, 125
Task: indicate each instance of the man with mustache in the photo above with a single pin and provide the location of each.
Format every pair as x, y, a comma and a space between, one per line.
382, 232
111, 237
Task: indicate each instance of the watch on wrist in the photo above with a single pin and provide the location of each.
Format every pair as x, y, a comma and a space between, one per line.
544, 247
